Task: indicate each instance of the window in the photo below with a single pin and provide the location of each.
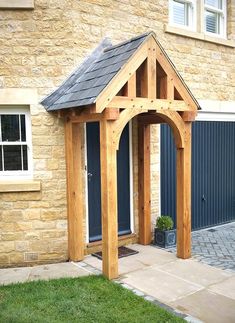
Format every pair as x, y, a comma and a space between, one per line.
15, 143
204, 17
182, 13
214, 17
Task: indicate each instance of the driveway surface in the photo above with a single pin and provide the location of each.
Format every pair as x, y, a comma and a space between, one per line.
215, 246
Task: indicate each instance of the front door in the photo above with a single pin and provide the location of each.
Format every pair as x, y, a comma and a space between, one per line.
94, 182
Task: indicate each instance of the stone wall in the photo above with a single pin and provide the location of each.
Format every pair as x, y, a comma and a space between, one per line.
38, 49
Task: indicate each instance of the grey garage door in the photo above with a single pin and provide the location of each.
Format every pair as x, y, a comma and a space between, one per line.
213, 173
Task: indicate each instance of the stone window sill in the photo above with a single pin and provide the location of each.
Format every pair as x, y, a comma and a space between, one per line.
20, 186
200, 36
16, 4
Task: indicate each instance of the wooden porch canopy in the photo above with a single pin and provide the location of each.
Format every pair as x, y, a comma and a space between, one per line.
113, 85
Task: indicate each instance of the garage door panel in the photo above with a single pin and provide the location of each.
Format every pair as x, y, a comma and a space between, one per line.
213, 173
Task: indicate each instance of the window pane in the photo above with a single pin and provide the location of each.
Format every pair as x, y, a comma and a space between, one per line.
214, 3
212, 24
10, 127
12, 157
25, 157
22, 125
0, 158
180, 13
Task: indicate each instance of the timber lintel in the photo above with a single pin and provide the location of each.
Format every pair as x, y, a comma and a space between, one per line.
148, 104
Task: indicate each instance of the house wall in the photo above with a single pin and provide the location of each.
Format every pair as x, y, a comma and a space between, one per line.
38, 49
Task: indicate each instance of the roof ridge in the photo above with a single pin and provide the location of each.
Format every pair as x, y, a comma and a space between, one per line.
128, 41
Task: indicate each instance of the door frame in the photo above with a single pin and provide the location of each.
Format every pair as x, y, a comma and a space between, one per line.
130, 179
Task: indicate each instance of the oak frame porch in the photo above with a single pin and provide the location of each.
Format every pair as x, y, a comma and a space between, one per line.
147, 87
114, 112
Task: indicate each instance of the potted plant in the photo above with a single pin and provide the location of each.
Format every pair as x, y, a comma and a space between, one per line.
164, 234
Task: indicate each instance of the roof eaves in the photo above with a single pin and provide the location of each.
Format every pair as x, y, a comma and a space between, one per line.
51, 99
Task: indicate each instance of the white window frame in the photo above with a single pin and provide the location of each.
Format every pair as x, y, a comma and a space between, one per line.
16, 4
24, 174
223, 21
191, 18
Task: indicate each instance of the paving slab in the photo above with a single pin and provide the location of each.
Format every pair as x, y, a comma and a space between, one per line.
14, 275
145, 258
226, 288
161, 285
207, 306
195, 272
54, 271
151, 256
42, 272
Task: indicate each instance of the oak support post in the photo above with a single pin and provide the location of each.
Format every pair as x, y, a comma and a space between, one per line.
184, 196
73, 144
109, 201
144, 184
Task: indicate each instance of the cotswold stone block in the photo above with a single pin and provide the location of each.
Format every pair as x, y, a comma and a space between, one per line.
11, 216
32, 214
12, 236
21, 245
23, 226
33, 235
38, 225
16, 258
4, 260
7, 246
50, 215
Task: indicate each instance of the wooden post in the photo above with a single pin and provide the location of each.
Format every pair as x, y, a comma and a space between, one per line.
184, 196
109, 201
144, 184
73, 143
151, 71
170, 88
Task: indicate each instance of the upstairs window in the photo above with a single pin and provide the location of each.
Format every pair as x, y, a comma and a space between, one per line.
15, 143
182, 13
215, 17
207, 17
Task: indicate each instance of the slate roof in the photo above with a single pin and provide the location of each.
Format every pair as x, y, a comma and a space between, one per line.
84, 85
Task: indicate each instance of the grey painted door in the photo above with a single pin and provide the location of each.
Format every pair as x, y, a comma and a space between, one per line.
94, 184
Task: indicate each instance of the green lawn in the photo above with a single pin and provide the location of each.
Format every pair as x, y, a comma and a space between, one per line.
85, 299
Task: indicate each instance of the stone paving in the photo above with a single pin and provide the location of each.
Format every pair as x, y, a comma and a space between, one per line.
45, 272
188, 288
215, 246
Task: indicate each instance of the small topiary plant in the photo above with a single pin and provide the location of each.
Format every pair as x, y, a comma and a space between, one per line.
164, 223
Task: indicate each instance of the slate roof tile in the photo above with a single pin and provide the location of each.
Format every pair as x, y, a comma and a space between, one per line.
85, 84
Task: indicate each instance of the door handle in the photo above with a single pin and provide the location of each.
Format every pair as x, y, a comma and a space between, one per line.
203, 198
89, 175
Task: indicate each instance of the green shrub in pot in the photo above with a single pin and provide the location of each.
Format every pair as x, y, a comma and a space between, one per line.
164, 234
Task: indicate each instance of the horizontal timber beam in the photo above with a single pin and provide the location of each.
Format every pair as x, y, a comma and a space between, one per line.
148, 104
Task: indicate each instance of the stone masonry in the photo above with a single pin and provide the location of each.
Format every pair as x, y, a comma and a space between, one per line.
39, 48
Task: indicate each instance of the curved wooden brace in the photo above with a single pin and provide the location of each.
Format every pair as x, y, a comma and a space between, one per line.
177, 125
171, 117
118, 125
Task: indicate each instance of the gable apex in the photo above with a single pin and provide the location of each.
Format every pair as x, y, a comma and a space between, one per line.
101, 76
